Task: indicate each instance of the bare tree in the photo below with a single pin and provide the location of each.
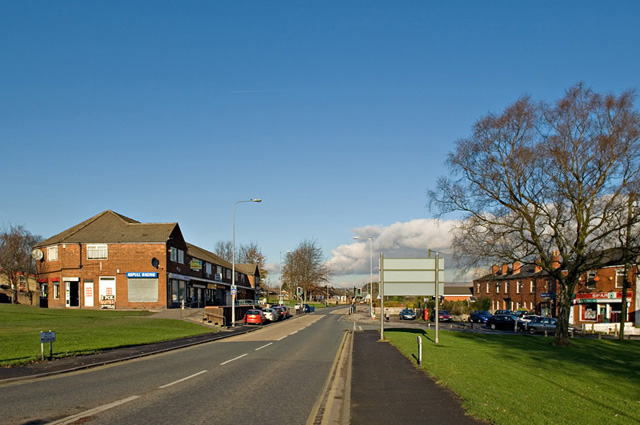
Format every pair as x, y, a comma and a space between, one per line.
251, 254
547, 185
16, 244
305, 267
224, 250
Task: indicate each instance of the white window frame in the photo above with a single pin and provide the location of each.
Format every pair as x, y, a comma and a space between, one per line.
52, 253
519, 287
180, 256
97, 251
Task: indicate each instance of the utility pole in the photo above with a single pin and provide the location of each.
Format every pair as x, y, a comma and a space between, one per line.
627, 265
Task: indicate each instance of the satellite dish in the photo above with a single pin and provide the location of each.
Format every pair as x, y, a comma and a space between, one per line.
37, 254
155, 262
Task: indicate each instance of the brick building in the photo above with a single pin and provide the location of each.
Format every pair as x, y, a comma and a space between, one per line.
597, 299
112, 261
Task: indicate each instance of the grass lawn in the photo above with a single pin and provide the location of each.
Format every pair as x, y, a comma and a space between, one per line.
81, 331
524, 379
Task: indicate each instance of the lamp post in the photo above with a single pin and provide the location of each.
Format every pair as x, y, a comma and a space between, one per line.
233, 262
370, 274
280, 300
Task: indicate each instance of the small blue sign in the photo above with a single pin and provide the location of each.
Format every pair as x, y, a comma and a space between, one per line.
547, 295
142, 274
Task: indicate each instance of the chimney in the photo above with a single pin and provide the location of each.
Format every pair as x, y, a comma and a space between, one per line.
505, 269
516, 267
494, 269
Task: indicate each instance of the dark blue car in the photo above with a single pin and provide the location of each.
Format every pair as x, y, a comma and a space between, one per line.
479, 316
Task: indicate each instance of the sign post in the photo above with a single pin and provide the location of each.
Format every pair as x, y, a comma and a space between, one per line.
49, 337
412, 277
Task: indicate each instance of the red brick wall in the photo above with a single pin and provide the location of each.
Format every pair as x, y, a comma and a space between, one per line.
122, 258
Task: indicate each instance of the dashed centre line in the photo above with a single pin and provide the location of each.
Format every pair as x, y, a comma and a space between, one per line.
183, 379
234, 359
264, 346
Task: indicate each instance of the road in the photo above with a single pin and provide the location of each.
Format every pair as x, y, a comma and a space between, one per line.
274, 375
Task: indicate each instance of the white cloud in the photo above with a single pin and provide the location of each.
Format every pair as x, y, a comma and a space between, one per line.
411, 239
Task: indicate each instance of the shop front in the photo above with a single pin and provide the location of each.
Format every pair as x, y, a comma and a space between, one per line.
601, 307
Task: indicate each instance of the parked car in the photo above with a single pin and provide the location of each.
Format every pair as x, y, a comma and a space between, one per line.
479, 316
502, 321
308, 308
270, 314
505, 312
280, 312
284, 309
541, 324
254, 316
523, 322
407, 314
443, 316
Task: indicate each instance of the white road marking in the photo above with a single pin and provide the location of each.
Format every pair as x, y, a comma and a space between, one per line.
281, 338
293, 333
260, 348
183, 379
73, 418
235, 358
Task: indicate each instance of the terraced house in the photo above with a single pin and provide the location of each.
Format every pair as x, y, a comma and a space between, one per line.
597, 300
114, 262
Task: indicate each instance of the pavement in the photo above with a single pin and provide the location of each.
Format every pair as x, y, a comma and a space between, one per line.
381, 385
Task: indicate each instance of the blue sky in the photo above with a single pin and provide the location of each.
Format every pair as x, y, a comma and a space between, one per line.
338, 114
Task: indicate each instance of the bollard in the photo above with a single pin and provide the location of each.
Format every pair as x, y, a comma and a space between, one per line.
419, 350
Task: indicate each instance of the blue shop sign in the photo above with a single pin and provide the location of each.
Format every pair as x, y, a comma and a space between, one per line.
142, 274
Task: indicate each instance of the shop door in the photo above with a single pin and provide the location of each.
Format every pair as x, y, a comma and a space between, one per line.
72, 294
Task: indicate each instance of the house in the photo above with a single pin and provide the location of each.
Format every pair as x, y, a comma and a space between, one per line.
597, 298
458, 292
110, 261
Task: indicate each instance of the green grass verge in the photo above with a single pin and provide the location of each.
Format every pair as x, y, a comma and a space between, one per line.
522, 379
81, 332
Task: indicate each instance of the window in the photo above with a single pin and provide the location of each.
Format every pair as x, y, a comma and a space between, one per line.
56, 290
532, 287
591, 280
208, 268
97, 252
52, 253
519, 287
497, 287
488, 285
478, 289
177, 255
506, 287
619, 278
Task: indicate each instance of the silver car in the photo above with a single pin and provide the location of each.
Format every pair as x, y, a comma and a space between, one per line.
270, 314
542, 324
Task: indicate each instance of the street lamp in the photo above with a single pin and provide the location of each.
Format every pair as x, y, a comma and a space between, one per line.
370, 275
233, 263
280, 300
